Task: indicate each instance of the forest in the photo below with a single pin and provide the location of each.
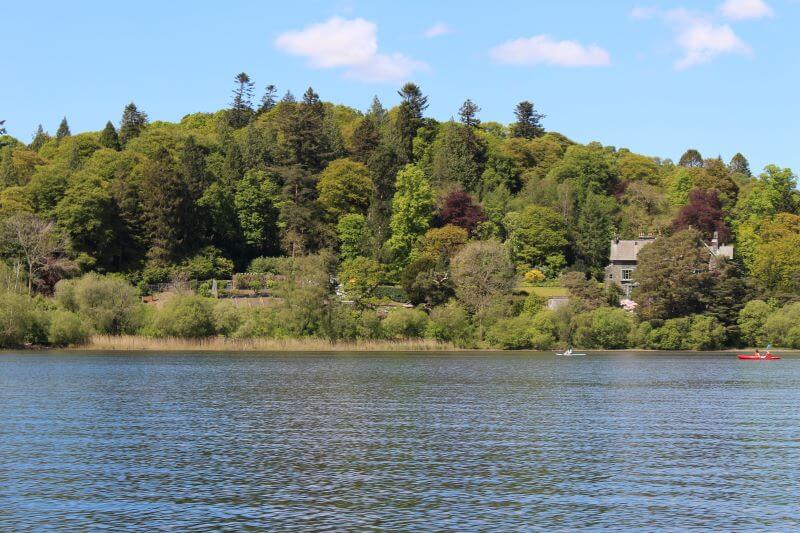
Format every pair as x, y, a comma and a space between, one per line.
384, 224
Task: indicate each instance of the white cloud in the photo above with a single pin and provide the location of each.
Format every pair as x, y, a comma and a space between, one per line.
541, 49
437, 30
745, 9
700, 37
348, 43
703, 42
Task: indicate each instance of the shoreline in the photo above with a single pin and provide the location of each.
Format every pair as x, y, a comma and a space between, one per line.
135, 343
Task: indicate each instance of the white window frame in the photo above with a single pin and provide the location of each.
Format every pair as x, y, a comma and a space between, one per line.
626, 274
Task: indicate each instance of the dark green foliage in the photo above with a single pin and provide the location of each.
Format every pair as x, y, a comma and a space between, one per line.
109, 137
529, 121
268, 100
167, 208
242, 104
691, 158
468, 114
132, 123
63, 129
39, 139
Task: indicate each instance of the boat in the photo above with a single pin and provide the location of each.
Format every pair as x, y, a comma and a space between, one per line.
752, 357
569, 354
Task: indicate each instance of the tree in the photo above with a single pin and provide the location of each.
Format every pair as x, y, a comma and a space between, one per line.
529, 121
671, 275
468, 114
353, 235
63, 129
412, 208
360, 276
459, 210
593, 232
776, 261
703, 213
740, 165
459, 156
167, 208
585, 292
132, 123
366, 138
35, 241
691, 158
109, 137
2, 127
536, 236
242, 104
345, 186
409, 116
268, 100
483, 273
39, 139
257, 198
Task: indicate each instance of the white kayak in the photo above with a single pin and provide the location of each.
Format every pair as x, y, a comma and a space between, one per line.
568, 354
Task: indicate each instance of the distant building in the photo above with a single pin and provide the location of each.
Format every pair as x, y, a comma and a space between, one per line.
623, 259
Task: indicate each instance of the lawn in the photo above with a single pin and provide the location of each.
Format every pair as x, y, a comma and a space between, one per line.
544, 292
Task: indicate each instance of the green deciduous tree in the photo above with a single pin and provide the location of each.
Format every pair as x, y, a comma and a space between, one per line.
257, 202
345, 186
536, 235
412, 209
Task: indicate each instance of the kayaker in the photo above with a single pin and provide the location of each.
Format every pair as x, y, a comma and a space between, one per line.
768, 354
758, 354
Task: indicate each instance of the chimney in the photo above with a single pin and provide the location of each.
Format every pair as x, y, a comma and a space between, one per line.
715, 243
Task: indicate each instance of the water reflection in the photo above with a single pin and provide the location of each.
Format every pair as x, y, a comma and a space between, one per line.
404, 442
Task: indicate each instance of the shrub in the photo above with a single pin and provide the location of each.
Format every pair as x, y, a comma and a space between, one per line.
108, 304
511, 333
752, 320
450, 323
66, 328
604, 327
268, 265
259, 322
544, 330
534, 275
533, 304
208, 264
21, 321
227, 318
705, 333
777, 328
402, 323
185, 316
670, 336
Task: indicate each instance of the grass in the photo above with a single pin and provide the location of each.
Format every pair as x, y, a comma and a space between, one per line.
544, 292
221, 344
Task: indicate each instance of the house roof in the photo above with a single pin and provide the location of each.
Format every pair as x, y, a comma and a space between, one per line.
628, 250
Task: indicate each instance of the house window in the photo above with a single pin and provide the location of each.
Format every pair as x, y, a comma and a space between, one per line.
626, 274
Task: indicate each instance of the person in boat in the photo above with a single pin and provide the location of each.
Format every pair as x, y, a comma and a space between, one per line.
767, 354
568, 351
758, 354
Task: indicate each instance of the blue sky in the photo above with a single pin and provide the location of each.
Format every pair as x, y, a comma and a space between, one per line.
657, 77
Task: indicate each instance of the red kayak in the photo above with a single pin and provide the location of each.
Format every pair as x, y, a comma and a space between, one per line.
750, 357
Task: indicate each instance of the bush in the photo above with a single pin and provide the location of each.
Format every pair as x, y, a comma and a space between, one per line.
66, 328
705, 333
604, 327
391, 292
670, 336
778, 327
402, 323
523, 331
186, 317
107, 303
752, 321
268, 265
21, 321
450, 323
534, 275
208, 264
259, 322
227, 318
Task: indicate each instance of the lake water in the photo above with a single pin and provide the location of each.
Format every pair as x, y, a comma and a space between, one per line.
373, 442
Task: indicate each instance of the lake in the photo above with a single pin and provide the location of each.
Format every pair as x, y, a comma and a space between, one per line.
398, 441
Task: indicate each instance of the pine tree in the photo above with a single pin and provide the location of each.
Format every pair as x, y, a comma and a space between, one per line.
740, 165
39, 138
242, 105
109, 137
268, 100
376, 110
288, 98
409, 116
166, 207
468, 114
193, 169
2, 127
529, 121
63, 129
132, 123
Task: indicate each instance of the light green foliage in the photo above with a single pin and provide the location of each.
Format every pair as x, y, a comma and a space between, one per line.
412, 208
227, 318
777, 262
353, 236
705, 333
604, 327
670, 336
450, 323
190, 317
635, 167
782, 328
482, 273
207, 264
345, 186
108, 304
402, 323
21, 321
257, 202
537, 236
774, 192
66, 328
752, 319
533, 304
524, 331
360, 277
590, 167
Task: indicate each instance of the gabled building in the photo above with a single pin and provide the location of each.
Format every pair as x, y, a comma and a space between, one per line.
623, 259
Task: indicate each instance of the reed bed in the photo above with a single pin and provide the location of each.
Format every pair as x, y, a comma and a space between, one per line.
213, 344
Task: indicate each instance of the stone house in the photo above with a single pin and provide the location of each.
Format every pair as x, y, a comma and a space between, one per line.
624, 253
